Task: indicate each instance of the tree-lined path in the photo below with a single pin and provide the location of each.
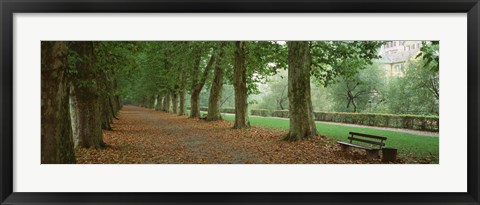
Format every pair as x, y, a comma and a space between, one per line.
180, 89
146, 136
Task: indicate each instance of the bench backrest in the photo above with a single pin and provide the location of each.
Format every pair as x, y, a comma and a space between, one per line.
366, 138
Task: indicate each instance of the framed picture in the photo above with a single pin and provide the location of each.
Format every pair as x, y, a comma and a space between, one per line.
259, 102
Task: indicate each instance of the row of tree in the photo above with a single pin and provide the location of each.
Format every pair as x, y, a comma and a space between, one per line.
78, 96
169, 70
83, 83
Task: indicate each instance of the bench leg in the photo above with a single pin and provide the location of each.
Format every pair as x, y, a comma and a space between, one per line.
373, 154
345, 148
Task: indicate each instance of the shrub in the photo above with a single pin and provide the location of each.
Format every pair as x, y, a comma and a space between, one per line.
417, 122
260, 112
230, 110
280, 113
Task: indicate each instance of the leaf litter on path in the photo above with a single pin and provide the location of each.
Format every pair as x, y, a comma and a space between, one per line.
144, 136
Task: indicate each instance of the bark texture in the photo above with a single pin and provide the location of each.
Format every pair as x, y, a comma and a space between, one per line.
181, 92
240, 87
302, 123
106, 106
197, 86
174, 102
151, 102
181, 98
106, 112
157, 102
166, 103
160, 102
85, 102
56, 131
217, 85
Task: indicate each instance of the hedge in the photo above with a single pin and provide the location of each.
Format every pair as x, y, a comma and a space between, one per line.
260, 112
416, 122
280, 113
230, 110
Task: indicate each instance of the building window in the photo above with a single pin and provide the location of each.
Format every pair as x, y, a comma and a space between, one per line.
398, 68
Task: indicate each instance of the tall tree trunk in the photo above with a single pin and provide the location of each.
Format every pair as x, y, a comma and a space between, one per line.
117, 100
217, 84
56, 130
105, 104
85, 101
166, 103
160, 102
181, 99
151, 102
302, 124
240, 87
174, 102
114, 106
195, 104
106, 113
181, 91
157, 102
144, 102
197, 87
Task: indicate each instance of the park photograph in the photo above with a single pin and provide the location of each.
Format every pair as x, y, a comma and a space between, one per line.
240, 102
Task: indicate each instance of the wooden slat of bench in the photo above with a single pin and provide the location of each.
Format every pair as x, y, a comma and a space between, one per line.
367, 141
355, 145
367, 135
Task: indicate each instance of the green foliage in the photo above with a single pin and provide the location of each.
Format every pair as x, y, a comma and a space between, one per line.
331, 59
430, 54
415, 93
362, 92
263, 59
276, 96
72, 59
340, 69
162, 67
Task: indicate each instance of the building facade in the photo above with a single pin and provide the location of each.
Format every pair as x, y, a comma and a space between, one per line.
396, 54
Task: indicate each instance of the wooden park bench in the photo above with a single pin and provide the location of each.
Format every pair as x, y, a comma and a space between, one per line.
370, 143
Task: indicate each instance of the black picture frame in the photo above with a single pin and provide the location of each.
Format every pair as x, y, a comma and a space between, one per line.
9, 7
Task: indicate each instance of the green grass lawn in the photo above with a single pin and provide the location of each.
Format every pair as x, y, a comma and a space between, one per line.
407, 144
